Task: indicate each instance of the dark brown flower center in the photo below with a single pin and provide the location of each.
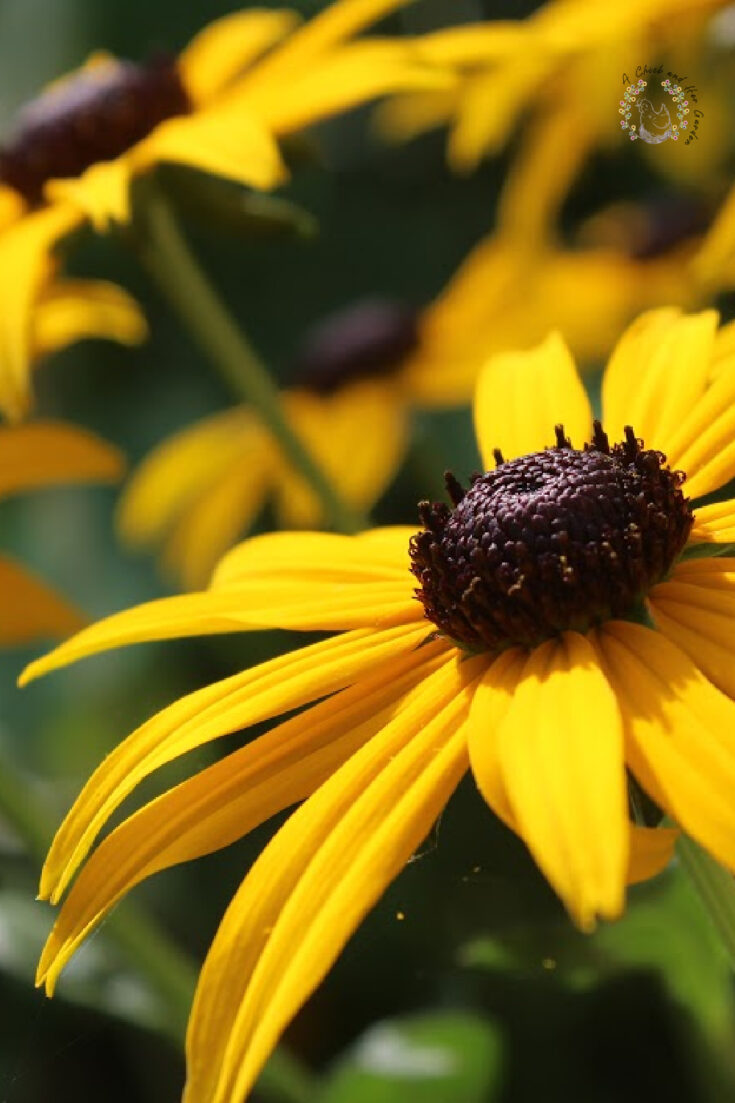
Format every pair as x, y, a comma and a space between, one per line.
368, 338
555, 540
95, 115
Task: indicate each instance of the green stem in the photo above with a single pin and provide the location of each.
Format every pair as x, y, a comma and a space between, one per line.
716, 888
170, 973
170, 262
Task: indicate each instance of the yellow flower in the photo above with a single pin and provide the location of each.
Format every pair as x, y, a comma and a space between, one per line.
33, 456
43, 313
219, 107
537, 670
200, 490
565, 60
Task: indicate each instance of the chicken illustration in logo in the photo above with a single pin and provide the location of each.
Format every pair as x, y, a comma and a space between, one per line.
655, 122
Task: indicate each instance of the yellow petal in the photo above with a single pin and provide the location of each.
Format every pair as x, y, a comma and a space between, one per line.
637, 346
51, 453
327, 426
490, 703
272, 603
166, 618
31, 610
260, 693
560, 745
177, 471
723, 354
227, 142
350, 76
334, 24
521, 396
651, 850
408, 114
227, 800
679, 733
715, 259
321, 604
541, 174
72, 310
714, 523
221, 51
315, 557
213, 523
101, 194
696, 609
703, 446
491, 105
389, 544
472, 45
316, 880
656, 374
25, 265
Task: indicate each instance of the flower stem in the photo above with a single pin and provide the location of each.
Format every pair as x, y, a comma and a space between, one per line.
170, 973
170, 262
716, 888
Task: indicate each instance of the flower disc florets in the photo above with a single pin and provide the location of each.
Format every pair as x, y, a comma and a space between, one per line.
554, 540
95, 115
369, 338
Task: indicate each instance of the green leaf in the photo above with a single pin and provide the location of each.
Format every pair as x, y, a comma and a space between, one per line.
449, 1057
665, 929
227, 207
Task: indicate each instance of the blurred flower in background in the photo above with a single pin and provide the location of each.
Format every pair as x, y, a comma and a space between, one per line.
562, 63
201, 489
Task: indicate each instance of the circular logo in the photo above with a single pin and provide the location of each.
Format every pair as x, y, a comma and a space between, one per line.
654, 122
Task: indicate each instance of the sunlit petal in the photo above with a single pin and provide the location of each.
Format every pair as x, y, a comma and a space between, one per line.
72, 310
319, 876
696, 610
224, 48
225, 801
679, 732
265, 691
522, 396
560, 746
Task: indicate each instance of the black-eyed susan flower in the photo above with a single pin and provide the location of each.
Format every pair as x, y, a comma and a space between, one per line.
564, 62
553, 626
200, 490
72, 153
34, 456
